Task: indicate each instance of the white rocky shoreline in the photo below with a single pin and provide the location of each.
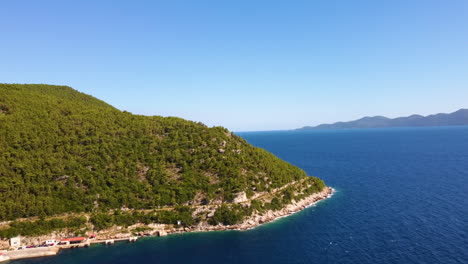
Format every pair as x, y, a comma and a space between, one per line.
250, 222
269, 216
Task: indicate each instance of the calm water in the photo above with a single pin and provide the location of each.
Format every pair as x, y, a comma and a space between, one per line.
402, 197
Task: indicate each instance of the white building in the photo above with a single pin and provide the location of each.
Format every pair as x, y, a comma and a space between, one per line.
15, 241
51, 242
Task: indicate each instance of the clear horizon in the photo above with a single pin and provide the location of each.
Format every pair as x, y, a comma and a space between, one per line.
248, 65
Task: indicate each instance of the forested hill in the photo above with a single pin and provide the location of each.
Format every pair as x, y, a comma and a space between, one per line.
64, 151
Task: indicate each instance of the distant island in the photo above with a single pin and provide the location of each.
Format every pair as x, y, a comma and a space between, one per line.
457, 118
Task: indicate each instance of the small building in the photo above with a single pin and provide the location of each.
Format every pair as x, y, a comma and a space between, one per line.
72, 240
15, 241
52, 242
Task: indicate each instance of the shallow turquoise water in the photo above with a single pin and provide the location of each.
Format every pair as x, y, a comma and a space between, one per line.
402, 197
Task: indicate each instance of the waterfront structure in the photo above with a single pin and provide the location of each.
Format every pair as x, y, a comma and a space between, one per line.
52, 242
72, 240
3, 257
15, 241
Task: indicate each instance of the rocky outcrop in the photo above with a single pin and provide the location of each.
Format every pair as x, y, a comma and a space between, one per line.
270, 215
258, 219
4, 244
240, 198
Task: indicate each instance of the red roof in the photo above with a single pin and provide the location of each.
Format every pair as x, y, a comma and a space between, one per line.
71, 239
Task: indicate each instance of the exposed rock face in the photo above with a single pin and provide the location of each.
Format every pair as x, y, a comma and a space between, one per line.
240, 198
269, 216
223, 144
4, 244
289, 209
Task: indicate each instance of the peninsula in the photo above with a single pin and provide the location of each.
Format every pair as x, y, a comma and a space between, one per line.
457, 118
75, 169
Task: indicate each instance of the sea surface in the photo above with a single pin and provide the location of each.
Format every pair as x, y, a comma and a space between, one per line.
401, 197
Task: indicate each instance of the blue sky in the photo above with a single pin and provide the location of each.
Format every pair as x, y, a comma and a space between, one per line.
245, 65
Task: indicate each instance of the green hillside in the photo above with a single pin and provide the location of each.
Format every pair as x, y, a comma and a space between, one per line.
63, 151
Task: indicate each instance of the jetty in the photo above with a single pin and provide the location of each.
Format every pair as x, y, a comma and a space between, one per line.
30, 253
3, 257
52, 250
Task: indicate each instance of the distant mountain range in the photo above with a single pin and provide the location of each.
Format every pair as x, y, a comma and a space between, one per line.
457, 118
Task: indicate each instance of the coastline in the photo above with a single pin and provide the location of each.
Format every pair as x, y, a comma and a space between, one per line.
267, 217
249, 223
330, 193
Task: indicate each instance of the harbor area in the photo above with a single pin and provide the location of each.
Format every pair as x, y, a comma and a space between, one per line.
29, 253
53, 246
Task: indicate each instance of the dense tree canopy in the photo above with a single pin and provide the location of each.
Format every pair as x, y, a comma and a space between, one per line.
64, 151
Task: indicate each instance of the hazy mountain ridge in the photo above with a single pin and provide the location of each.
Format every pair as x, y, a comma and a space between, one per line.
457, 118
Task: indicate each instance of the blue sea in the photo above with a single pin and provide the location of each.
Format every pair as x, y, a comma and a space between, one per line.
401, 197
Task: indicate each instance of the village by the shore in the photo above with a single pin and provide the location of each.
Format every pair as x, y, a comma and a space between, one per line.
43, 246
